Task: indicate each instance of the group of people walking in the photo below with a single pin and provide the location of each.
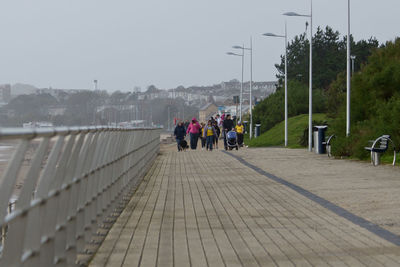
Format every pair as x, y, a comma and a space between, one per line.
208, 133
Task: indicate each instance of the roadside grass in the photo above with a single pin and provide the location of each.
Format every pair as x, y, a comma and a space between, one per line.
296, 125
275, 136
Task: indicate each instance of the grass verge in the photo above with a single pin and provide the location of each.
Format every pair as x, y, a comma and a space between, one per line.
275, 136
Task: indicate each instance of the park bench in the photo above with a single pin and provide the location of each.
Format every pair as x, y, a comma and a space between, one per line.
378, 147
328, 145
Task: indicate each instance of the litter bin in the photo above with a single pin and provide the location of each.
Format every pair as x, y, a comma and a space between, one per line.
245, 124
319, 139
257, 130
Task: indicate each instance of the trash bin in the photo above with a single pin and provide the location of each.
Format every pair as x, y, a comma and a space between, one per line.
257, 130
245, 124
319, 139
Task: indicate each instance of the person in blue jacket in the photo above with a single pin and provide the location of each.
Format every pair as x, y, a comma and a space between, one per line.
180, 134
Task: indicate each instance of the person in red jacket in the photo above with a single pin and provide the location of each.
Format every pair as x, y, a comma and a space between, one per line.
194, 132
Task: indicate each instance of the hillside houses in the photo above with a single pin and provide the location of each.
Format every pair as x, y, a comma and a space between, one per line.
219, 93
84, 107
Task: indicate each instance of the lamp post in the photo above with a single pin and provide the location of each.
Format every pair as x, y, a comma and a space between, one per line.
348, 71
169, 128
251, 84
251, 88
241, 86
286, 107
293, 14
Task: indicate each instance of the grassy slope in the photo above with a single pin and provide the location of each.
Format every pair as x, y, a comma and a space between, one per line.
296, 126
275, 136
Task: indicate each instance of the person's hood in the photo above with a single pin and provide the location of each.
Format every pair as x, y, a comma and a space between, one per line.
194, 119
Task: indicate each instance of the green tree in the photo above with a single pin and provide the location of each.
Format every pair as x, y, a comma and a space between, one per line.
329, 57
271, 110
375, 103
329, 80
336, 95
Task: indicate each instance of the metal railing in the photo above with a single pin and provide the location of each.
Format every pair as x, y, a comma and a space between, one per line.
72, 181
11, 206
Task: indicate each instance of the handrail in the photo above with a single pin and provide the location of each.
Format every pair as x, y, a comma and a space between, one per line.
16, 133
328, 144
75, 179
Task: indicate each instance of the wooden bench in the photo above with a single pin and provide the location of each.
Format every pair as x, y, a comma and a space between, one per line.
328, 145
380, 146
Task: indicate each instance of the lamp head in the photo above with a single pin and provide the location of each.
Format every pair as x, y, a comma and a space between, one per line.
270, 34
291, 14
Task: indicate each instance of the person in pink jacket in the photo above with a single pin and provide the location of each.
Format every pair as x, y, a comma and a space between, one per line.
194, 131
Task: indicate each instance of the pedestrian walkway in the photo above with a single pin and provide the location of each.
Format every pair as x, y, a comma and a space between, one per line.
200, 208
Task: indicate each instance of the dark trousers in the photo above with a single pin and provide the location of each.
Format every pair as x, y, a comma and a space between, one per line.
240, 139
216, 140
203, 142
210, 141
225, 144
194, 138
178, 143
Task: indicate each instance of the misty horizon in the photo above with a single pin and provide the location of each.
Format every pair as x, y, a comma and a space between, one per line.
122, 45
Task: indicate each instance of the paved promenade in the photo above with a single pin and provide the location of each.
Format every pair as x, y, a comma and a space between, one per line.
262, 207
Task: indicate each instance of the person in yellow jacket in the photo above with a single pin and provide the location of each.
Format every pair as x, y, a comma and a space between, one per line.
239, 128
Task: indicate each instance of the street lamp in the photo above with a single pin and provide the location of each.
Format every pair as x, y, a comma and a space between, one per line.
286, 107
352, 63
241, 86
251, 84
348, 72
293, 14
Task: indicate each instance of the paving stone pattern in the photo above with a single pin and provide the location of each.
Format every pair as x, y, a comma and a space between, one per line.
200, 208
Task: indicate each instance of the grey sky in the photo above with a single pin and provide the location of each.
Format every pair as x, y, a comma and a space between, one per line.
123, 43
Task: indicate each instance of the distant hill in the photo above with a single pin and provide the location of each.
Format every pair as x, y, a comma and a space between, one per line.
22, 89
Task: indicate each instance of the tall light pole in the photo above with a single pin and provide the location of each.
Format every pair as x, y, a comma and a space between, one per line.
348, 71
293, 14
251, 88
286, 85
169, 128
251, 83
241, 86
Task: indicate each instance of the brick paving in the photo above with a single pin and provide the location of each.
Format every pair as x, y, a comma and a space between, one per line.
207, 209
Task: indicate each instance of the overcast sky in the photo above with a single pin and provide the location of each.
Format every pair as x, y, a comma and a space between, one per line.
127, 43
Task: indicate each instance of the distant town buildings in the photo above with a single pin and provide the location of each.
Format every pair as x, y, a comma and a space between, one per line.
207, 111
220, 93
105, 107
